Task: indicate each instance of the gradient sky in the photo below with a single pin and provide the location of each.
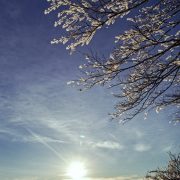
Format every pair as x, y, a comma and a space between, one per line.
45, 124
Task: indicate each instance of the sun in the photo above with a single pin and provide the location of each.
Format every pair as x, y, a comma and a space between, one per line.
76, 170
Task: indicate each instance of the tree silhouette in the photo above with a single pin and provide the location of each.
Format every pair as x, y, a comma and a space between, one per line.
171, 172
144, 66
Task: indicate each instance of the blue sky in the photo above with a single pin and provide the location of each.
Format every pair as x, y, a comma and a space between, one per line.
45, 124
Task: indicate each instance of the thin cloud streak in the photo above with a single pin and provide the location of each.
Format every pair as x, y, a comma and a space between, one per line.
107, 145
132, 177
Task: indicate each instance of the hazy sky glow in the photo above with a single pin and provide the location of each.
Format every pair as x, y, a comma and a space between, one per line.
45, 124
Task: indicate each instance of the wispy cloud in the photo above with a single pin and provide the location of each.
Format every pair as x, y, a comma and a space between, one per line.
131, 177
167, 148
14, 136
27, 178
46, 144
107, 145
32, 178
139, 134
140, 147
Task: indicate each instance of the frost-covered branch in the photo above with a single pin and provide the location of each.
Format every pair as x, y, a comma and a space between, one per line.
82, 18
144, 67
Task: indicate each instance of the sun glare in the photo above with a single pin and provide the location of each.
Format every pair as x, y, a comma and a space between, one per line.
76, 170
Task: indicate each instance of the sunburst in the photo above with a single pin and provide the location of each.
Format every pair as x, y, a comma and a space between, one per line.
76, 170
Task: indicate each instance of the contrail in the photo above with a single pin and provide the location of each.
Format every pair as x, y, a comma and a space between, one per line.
46, 144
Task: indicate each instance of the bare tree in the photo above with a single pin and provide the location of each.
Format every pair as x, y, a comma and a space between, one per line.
171, 172
144, 66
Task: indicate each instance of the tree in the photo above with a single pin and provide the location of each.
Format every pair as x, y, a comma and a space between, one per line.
144, 66
172, 172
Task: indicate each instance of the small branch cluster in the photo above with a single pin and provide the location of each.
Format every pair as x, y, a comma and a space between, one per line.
172, 172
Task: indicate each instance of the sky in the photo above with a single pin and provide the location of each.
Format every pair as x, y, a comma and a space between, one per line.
46, 124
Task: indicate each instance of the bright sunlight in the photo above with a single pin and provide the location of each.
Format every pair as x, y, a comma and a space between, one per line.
76, 170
